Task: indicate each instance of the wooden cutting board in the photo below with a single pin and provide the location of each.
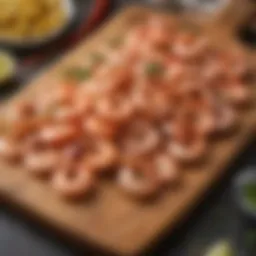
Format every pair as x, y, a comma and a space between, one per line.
111, 220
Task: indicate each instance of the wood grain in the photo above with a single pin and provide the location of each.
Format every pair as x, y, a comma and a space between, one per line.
111, 220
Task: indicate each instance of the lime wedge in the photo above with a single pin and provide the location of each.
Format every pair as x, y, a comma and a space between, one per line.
7, 66
222, 248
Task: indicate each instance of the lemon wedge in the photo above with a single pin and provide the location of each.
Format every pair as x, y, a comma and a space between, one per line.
7, 66
222, 248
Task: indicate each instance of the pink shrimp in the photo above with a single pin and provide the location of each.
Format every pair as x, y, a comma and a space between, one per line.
66, 114
134, 38
103, 157
160, 32
63, 94
99, 127
73, 182
187, 145
226, 119
188, 45
140, 139
167, 169
115, 109
138, 183
41, 163
10, 150
236, 93
176, 70
57, 135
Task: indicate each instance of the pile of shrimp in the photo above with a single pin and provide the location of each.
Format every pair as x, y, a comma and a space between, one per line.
150, 103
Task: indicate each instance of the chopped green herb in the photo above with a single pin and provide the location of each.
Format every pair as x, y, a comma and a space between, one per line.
97, 58
249, 191
115, 42
154, 69
78, 73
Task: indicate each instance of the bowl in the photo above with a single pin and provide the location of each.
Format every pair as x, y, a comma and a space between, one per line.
36, 42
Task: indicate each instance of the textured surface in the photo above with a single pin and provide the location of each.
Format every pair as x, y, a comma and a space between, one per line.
32, 240
123, 227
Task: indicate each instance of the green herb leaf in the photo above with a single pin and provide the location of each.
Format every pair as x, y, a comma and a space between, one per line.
78, 74
154, 69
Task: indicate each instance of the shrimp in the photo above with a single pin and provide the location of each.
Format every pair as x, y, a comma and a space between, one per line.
139, 183
58, 135
10, 150
115, 109
99, 127
176, 70
25, 128
188, 153
167, 169
66, 114
101, 157
160, 32
236, 93
226, 119
41, 163
63, 94
235, 62
134, 38
140, 139
73, 182
188, 45
188, 145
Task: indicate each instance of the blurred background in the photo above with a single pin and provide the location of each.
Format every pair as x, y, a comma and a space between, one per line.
216, 219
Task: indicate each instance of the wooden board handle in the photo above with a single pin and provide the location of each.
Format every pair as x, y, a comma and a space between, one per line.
234, 15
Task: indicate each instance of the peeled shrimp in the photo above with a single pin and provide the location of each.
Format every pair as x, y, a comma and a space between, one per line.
167, 169
159, 32
103, 157
73, 182
115, 109
66, 114
188, 45
56, 135
137, 183
141, 138
41, 163
236, 93
9, 150
226, 119
175, 71
99, 127
206, 122
63, 94
191, 152
188, 145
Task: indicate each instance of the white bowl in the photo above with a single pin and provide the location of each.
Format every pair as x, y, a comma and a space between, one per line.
26, 43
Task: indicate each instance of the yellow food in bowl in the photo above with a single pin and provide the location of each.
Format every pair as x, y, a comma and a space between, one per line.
26, 19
